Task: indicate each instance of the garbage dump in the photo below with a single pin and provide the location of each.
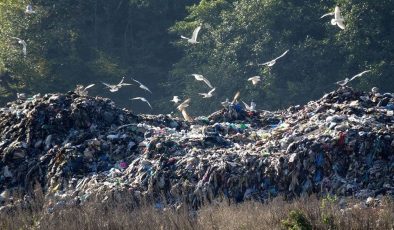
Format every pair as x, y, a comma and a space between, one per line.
77, 148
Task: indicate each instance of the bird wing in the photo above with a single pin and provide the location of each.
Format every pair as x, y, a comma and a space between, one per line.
108, 85
236, 96
121, 81
24, 49
185, 115
197, 76
195, 33
210, 92
183, 37
337, 13
341, 24
89, 86
359, 75
137, 98
265, 63
282, 55
17, 38
207, 82
246, 105
328, 14
145, 88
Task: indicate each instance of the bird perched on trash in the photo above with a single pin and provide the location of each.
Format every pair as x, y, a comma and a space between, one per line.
254, 79
193, 39
347, 80
21, 96
24, 45
114, 88
272, 62
338, 19
183, 105
200, 77
142, 86
209, 94
175, 99
226, 103
29, 9
142, 99
252, 106
236, 96
83, 91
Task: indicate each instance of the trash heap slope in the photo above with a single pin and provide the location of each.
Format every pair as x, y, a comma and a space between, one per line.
79, 148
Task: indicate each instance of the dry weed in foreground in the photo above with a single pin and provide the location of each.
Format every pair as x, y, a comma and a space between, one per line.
276, 214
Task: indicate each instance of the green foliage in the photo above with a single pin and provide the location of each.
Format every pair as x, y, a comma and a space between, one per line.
297, 221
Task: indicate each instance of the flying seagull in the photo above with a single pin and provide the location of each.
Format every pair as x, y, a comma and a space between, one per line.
272, 62
338, 19
23, 43
255, 80
347, 80
142, 99
29, 9
186, 116
193, 39
142, 86
83, 91
207, 95
252, 106
200, 77
175, 99
184, 105
114, 88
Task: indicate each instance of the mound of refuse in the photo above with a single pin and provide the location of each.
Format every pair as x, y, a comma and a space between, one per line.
77, 148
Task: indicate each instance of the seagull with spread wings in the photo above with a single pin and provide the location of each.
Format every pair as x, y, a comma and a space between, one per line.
338, 19
142, 86
255, 79
193, 39
209, 94
175, 99
347, 80
183, 105
272, 62
142, 99
200, 77
115, 88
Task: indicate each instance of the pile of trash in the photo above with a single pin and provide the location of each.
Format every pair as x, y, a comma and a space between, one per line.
77, 148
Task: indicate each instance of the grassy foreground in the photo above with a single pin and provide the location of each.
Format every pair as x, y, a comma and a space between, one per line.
304, 213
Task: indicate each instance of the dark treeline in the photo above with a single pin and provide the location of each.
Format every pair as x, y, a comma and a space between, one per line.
73, 42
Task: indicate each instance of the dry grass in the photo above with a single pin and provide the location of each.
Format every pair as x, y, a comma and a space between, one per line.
321, 214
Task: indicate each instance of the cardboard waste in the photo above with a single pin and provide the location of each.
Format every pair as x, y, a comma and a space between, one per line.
77, 148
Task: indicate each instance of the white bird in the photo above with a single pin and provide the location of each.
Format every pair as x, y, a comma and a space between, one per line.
183, 105
193, 39
207, 95
29, 9
142, 99
252, 106
272, 62
226, 103
200, 77
142, 86
175, 99
114, 88
83, 91
338, 19
23, 43
347, 80
255, 80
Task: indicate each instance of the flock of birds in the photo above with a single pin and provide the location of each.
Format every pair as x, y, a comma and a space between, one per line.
181, 106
